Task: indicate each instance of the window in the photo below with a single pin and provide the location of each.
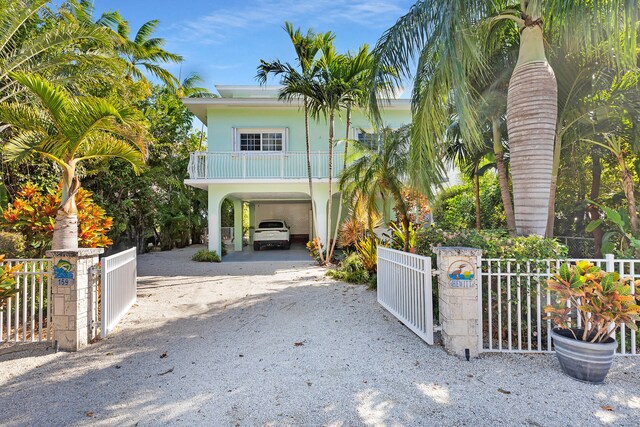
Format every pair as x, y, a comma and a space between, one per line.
260, 139
369, 139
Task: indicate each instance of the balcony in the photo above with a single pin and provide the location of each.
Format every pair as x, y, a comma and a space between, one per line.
260, 165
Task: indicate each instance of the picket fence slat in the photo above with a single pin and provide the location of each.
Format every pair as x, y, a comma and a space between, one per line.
405, 289
26, 316
508, 282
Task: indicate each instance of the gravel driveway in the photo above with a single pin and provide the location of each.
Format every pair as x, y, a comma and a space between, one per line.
246, 344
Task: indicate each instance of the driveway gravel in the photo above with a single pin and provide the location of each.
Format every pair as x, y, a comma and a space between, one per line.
279, 344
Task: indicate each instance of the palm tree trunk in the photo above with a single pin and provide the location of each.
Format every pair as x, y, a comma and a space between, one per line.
329, 207
628, 187
503, 179
531, 123
592, 210
309, 172
551, 214
65, 227
344, 166
476, 190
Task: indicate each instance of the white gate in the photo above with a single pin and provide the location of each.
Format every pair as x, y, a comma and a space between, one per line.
118, 292
513, 296
404, 289
26, 316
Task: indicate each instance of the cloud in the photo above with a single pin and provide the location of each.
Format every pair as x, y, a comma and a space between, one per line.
219, 25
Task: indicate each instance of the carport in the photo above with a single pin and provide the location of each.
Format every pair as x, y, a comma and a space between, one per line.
297, 252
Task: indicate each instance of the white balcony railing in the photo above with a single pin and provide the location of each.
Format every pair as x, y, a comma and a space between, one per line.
256, 165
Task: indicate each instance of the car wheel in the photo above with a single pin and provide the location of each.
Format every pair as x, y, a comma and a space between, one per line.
287, 245
256, 246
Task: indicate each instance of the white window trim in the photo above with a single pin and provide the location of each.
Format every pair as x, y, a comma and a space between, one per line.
237, 131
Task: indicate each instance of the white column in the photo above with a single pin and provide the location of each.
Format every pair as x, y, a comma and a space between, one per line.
214, 205
237, 225
320, 200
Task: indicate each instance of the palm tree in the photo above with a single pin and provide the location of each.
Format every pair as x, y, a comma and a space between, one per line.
449, 40
68, 130
34, 38
299, 84
379, 172
144, 51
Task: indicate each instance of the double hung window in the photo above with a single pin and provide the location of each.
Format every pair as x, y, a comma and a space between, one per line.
260, 139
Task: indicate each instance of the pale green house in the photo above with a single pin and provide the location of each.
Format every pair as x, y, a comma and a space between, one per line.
256, 154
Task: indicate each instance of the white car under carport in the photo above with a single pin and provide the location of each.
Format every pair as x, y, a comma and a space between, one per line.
271, 232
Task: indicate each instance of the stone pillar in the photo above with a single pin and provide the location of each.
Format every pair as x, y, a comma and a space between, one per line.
458, 299
74, 295
237, 225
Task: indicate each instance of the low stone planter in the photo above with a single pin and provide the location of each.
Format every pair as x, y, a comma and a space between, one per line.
584, 361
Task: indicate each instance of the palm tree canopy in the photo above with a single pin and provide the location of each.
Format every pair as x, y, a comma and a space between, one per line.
54, 50
68, 129
448, 45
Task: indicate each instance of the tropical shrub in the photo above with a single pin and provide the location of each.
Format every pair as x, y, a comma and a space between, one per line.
368, 251
397, 238
12, 244
454, 207
33, 212
315, 246
603, 300
7, 281
619, 239
494, 244
351, 270
205, 255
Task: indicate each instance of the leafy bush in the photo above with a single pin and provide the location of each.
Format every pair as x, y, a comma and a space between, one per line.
397, 238
205, 255
315, 246
351, 270
33, 213
494, 244
12, 244
454, 207
7, 281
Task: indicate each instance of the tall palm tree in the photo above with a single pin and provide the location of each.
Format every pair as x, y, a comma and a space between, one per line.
299, 85
68, 130
449, 41
379, 172
35, 38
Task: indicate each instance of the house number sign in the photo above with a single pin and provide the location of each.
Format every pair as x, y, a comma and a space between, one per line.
63, 273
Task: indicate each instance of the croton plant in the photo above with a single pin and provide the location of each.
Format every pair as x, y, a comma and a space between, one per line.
7, 281
603, 301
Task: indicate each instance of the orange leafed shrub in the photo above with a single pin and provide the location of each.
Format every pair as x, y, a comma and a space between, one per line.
33, 213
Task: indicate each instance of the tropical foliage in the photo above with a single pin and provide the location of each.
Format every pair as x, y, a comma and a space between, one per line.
7, 281
603, 301
33, 211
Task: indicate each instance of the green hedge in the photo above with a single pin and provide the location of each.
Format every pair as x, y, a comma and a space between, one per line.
12, 245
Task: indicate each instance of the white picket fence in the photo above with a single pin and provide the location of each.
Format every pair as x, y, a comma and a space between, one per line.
26, 316
118, 288
405, 289
513, 296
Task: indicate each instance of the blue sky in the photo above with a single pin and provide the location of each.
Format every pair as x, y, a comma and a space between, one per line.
224, 40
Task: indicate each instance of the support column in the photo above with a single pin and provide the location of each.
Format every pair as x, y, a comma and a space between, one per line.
320, 200
237, 225
74, 296
252, 221
214, 220
458, 299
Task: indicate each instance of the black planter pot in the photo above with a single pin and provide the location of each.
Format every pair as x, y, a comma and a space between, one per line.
584, 361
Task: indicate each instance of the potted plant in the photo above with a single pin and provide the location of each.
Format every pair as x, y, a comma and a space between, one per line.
601, 302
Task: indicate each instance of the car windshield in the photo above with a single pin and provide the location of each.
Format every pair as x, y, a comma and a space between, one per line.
271, 224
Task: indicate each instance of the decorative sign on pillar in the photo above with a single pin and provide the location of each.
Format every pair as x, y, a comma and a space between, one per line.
63, 273
461, 274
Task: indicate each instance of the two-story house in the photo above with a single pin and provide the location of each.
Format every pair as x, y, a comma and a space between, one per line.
256, 153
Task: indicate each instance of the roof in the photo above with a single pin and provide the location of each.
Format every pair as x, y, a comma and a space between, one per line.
257, 97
